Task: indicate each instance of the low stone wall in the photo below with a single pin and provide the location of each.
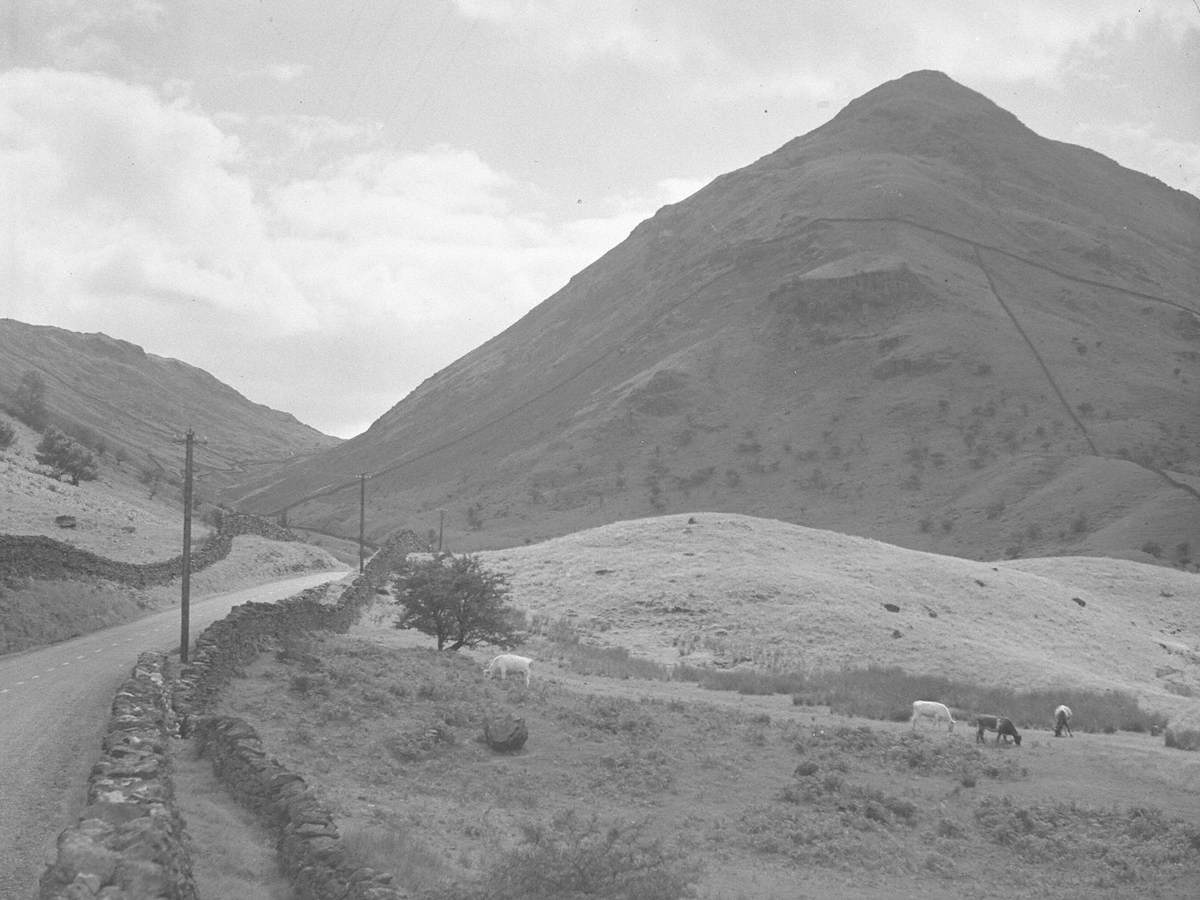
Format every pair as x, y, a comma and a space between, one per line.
43, 557
310, 849
128, 843
227, 646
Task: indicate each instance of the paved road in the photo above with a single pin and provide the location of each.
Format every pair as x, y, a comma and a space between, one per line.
54, 704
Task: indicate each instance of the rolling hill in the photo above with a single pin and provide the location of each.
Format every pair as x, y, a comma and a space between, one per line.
727, 590
921, 322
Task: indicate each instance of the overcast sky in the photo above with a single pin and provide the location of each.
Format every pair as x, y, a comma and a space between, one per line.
323, 203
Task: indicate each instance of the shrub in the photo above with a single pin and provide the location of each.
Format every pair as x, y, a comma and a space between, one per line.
1182, 739
576, 858
30, 399
65, 456
7, 435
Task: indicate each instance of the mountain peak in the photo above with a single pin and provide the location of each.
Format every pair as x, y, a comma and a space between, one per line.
929, 97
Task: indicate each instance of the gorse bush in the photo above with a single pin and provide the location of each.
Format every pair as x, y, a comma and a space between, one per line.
1182, 738
1127, 845
573, 857
65, 456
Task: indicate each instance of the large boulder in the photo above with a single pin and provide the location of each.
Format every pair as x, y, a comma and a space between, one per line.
505, 733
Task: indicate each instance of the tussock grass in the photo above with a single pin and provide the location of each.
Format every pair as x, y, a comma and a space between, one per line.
397, 848
1124, 846
875, 692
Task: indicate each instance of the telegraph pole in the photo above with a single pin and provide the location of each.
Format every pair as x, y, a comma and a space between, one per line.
362, 516
185, 595
441, 527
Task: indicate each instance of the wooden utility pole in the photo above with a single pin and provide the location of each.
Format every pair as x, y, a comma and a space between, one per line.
441, 527
185, 596
362, 517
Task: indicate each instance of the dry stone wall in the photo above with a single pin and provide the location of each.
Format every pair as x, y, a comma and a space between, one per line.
310, 849
43, 557
129, 843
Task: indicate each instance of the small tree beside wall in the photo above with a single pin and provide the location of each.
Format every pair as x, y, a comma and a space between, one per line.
458, 602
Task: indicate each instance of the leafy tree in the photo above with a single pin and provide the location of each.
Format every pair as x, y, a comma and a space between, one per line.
457, 601
65, 456
31, 400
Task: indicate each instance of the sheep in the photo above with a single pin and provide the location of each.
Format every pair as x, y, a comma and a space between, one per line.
1002, 725
1062, 719
509, 662
931, 709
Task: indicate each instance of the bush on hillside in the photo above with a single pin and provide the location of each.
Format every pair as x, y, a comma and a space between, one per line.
66, 457
30, 400
8, 434
1182, 738
574, 857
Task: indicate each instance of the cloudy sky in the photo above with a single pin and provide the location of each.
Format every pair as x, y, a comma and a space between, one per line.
323, 202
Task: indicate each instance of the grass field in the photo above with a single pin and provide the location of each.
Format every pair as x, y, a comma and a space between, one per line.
738, 796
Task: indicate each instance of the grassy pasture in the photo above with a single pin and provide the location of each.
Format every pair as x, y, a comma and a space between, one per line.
706, 794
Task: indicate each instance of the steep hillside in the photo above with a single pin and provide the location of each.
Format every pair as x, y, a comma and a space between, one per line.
921, 322
139, 405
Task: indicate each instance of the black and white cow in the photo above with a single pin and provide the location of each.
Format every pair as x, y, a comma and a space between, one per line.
1002, 725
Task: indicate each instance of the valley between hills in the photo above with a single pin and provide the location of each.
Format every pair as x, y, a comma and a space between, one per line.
738, 794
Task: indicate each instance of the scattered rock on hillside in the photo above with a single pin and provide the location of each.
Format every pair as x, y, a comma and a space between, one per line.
505, 733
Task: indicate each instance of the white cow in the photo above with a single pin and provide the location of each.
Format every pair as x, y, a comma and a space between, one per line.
931, 709
1062, 719
509, 662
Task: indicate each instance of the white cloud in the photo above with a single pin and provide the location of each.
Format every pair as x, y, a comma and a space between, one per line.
133, 215
80, 34
106, 180
1140, 147
575, 31
286, 73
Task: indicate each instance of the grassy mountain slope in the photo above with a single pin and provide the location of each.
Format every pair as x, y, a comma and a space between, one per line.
140, 404
921, 322
119, 517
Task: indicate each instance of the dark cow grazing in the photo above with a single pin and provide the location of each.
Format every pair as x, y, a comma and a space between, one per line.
1002, 725
1062, 719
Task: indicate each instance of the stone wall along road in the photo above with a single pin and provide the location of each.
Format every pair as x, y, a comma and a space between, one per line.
54, 705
